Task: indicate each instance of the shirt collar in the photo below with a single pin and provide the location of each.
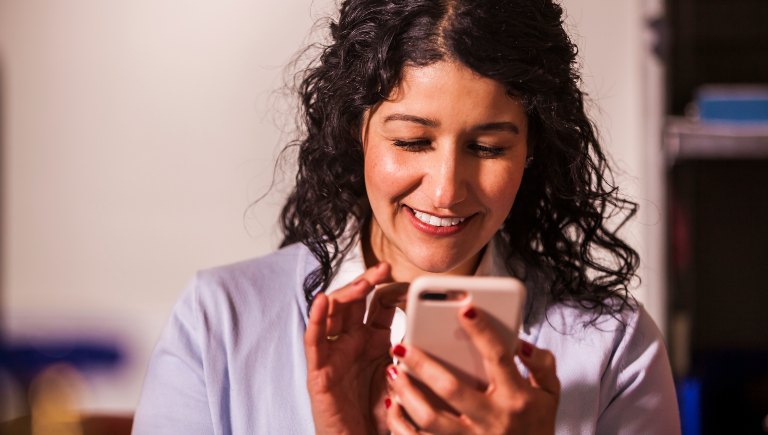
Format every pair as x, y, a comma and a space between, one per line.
491, 264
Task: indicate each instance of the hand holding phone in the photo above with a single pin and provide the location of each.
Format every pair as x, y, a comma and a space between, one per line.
433, 324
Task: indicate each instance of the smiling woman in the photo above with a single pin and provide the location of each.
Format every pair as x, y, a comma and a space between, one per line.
438, 137
444, 158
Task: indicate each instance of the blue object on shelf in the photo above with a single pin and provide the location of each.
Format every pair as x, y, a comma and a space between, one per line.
26, 360
689, 398
733, 103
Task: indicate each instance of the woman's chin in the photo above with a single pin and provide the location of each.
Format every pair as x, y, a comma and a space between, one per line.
440, 265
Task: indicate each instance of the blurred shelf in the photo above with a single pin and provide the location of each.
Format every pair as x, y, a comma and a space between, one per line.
686, 139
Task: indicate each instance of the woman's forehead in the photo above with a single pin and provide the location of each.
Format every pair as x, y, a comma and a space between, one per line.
445, 88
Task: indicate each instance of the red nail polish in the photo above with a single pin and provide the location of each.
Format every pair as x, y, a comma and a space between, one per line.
399, 351
387, 402
527, 349
392, 373
470, 313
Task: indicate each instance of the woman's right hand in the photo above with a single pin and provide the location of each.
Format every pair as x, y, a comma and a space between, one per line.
510, 404
346, 357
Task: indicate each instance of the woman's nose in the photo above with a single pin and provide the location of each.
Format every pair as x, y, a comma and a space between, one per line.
448, 182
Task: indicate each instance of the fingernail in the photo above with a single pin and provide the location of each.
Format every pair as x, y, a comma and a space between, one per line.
470, 313
392, 373
526, 349
399, 351
359, 282
387, 402
381, 266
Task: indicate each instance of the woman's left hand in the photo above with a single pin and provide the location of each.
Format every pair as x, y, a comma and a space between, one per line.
511, 404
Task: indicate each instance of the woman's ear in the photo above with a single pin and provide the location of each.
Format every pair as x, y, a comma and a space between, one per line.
530, 159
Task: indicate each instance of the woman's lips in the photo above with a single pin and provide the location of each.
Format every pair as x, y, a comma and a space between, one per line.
436, 230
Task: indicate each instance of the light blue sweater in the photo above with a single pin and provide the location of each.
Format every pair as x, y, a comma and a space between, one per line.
231, 359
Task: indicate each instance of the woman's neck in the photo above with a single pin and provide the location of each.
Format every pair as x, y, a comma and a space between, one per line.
376, 250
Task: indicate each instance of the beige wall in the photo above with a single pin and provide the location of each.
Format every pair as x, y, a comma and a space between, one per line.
625, 87
136, 133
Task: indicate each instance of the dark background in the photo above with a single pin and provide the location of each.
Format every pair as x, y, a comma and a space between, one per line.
718, 219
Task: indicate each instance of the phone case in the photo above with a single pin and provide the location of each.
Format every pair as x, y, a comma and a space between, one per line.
433, 325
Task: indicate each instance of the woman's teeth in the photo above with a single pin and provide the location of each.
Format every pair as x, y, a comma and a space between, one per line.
437, 221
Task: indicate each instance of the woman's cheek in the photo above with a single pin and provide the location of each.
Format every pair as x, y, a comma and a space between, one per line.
389, 171
498, 189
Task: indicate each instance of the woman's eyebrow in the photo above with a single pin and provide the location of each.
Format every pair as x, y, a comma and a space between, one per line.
510, 127
503, 126
412, 118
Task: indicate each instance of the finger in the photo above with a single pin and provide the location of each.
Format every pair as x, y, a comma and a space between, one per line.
542, 367
315, 343
385, 302
346, 307
396, 421
375, 275
421, 404
347, 304
461, 394
497, 352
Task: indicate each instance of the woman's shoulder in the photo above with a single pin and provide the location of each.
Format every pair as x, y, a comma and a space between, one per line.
290, 263
577, 324
230, 320
594, 344
606, 362
250, 286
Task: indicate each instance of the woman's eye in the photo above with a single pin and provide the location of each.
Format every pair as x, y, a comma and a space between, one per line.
486, 151
412, 145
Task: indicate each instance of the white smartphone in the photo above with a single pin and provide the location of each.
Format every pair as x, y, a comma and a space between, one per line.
433, 325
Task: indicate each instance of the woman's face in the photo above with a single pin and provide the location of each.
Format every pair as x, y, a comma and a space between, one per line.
444, 157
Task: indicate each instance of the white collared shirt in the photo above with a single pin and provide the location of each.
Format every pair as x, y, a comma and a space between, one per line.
231, 359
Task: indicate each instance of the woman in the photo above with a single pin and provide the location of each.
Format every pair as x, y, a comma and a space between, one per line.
440, 137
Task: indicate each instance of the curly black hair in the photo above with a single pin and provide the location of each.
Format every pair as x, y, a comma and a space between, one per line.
565, 218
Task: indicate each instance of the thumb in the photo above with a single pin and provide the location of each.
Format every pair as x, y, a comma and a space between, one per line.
541, 365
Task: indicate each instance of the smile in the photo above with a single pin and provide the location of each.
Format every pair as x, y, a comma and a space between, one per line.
436, 225
437, 221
